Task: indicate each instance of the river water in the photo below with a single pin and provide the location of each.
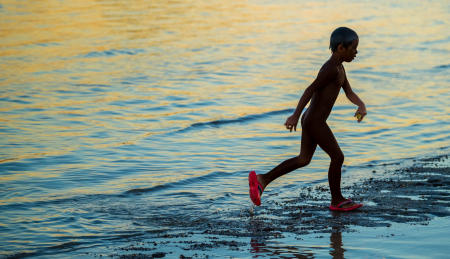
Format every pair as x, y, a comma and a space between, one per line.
116, 115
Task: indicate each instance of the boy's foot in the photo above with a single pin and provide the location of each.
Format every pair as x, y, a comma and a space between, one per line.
346, 205
256, 188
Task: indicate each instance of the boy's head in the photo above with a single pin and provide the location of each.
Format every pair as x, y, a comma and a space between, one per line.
344, 36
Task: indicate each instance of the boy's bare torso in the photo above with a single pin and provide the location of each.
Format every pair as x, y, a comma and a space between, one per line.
322, 100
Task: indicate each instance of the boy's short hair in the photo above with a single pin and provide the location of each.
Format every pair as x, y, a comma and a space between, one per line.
342, 35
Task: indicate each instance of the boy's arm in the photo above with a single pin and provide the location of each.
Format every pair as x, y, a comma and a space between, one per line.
355, 100
326, 75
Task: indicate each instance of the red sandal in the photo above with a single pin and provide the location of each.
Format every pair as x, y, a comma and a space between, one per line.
256, 189
339, 206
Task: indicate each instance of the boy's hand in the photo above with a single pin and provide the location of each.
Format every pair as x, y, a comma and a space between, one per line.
360, 113
291, 123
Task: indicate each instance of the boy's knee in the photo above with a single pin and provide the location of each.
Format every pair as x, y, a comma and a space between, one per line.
303, 161
338, 158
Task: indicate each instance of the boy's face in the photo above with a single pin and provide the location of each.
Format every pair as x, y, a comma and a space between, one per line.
349, 53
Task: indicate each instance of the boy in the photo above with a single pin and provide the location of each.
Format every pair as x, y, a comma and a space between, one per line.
323, 93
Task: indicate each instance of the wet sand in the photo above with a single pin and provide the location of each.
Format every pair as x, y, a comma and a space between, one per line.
401, 199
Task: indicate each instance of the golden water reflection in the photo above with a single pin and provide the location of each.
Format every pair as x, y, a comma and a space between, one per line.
240, 57
100, 97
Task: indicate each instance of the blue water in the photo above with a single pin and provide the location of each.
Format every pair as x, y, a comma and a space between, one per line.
116, 116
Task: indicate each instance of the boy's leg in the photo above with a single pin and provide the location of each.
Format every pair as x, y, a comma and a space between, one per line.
326, 141
307, 148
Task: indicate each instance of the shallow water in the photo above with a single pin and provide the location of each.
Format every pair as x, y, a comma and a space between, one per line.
112, 113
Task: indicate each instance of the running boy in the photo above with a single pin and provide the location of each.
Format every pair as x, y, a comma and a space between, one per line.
322, 93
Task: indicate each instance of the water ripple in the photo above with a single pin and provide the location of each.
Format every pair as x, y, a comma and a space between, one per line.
117, 117
113, 52
246, 118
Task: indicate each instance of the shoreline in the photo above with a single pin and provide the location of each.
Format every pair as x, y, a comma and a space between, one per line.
408, 197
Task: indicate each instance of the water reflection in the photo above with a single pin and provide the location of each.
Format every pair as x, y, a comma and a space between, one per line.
264, 244
336, 245
260, 248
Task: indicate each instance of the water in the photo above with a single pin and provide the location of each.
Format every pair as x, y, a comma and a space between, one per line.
115, 116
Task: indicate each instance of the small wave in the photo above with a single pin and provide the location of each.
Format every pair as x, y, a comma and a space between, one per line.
376, 73
63, 247
20, 255
99, 196
183, 182
218, 123
442, 66
138, 191
92, 85
113, 52
56, 201
67, 245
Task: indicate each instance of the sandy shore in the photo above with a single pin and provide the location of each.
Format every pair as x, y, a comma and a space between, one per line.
400, 200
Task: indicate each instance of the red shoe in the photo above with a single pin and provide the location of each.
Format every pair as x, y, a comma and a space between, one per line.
340, 208
256, 189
